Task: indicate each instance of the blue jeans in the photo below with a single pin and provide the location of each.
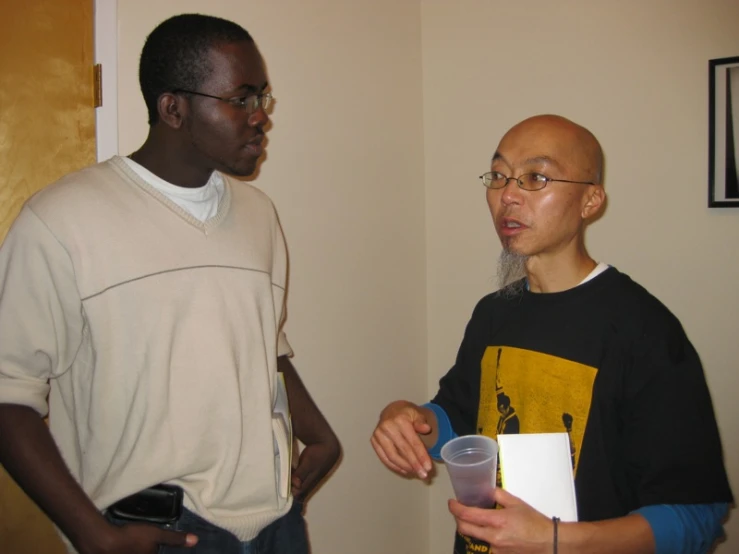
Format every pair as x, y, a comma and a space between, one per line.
287, 535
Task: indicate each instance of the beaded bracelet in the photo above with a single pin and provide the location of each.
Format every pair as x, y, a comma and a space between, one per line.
555, 520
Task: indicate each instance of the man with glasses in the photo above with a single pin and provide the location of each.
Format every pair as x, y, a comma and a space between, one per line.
142, 303
577, 347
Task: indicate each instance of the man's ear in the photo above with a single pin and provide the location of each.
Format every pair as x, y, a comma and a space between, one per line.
594, 200
172, 109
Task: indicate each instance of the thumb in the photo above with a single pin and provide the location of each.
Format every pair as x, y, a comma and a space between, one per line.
422, 427
420, 423
176, 538
504, 498
303, 468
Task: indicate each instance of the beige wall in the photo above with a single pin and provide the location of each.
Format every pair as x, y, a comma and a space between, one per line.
635, 72
345, 170
387, 111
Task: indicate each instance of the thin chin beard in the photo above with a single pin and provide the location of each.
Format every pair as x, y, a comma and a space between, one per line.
511, 273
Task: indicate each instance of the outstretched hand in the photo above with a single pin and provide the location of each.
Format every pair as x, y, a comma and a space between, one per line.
396, 439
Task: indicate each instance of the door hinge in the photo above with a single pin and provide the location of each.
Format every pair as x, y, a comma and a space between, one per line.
97, 72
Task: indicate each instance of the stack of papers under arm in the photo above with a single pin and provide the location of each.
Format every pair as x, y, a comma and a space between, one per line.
281, 419
537, 468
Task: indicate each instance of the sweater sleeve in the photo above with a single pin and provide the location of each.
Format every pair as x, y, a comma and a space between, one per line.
41, 320
279, 284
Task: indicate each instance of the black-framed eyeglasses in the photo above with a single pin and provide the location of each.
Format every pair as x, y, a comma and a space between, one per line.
249, 103
527, 181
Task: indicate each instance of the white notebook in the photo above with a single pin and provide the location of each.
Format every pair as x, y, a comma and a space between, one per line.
537, 468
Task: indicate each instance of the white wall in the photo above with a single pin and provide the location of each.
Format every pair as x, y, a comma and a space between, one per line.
345, 170
636, 73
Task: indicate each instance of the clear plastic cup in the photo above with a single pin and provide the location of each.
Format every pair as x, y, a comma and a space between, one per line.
472, 461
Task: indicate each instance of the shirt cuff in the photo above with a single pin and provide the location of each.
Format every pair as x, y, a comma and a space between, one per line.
684, 528
25, 392
444, 427
283, 347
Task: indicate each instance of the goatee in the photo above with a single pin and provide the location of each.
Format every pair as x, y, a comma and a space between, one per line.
511, 273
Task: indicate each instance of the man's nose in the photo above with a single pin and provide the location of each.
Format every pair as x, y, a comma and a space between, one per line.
511, 192
258, 118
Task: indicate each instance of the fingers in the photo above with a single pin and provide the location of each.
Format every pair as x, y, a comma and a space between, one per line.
304, 484
314, 463
475, 522
479, 532
394, 450
397, 444
483, 517
175, 538
301, 473
296, 485
385, 460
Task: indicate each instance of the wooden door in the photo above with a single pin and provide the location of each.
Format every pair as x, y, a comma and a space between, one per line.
47, 129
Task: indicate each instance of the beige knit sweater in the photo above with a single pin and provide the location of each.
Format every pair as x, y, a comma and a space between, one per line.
155, 336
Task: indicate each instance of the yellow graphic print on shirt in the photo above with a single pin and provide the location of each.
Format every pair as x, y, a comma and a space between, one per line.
522, 391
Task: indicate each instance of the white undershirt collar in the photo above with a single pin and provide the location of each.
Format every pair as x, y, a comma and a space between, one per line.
201, 202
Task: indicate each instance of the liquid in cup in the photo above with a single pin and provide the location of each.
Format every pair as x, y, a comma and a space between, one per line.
472, 461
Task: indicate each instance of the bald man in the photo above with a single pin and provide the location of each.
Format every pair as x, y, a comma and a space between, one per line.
573, 346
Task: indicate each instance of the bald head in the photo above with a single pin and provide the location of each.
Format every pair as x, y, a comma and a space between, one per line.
562, 142
548, 221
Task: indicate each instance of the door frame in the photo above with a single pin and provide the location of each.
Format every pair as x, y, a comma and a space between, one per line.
106, 54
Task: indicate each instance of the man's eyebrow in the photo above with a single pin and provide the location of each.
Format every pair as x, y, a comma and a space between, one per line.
253, 88
542, 160
529, 161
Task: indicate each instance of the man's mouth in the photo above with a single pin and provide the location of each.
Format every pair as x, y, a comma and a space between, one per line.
509, 226
254, 146
512, 223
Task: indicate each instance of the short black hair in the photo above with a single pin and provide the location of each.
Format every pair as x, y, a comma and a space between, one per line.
175, 54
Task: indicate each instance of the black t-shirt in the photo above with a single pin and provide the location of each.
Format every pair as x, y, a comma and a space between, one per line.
609, 364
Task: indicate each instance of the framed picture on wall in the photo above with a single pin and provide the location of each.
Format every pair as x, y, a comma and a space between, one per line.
723, 133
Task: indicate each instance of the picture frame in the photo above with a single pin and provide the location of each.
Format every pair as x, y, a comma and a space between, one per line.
723, 133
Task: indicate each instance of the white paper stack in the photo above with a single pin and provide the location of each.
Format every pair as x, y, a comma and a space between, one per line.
537, 468
281, 423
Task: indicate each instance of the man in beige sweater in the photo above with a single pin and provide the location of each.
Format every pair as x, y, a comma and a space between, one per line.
142, 303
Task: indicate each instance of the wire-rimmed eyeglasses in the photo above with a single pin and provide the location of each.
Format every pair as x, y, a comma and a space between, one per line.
249, 103
527, 181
